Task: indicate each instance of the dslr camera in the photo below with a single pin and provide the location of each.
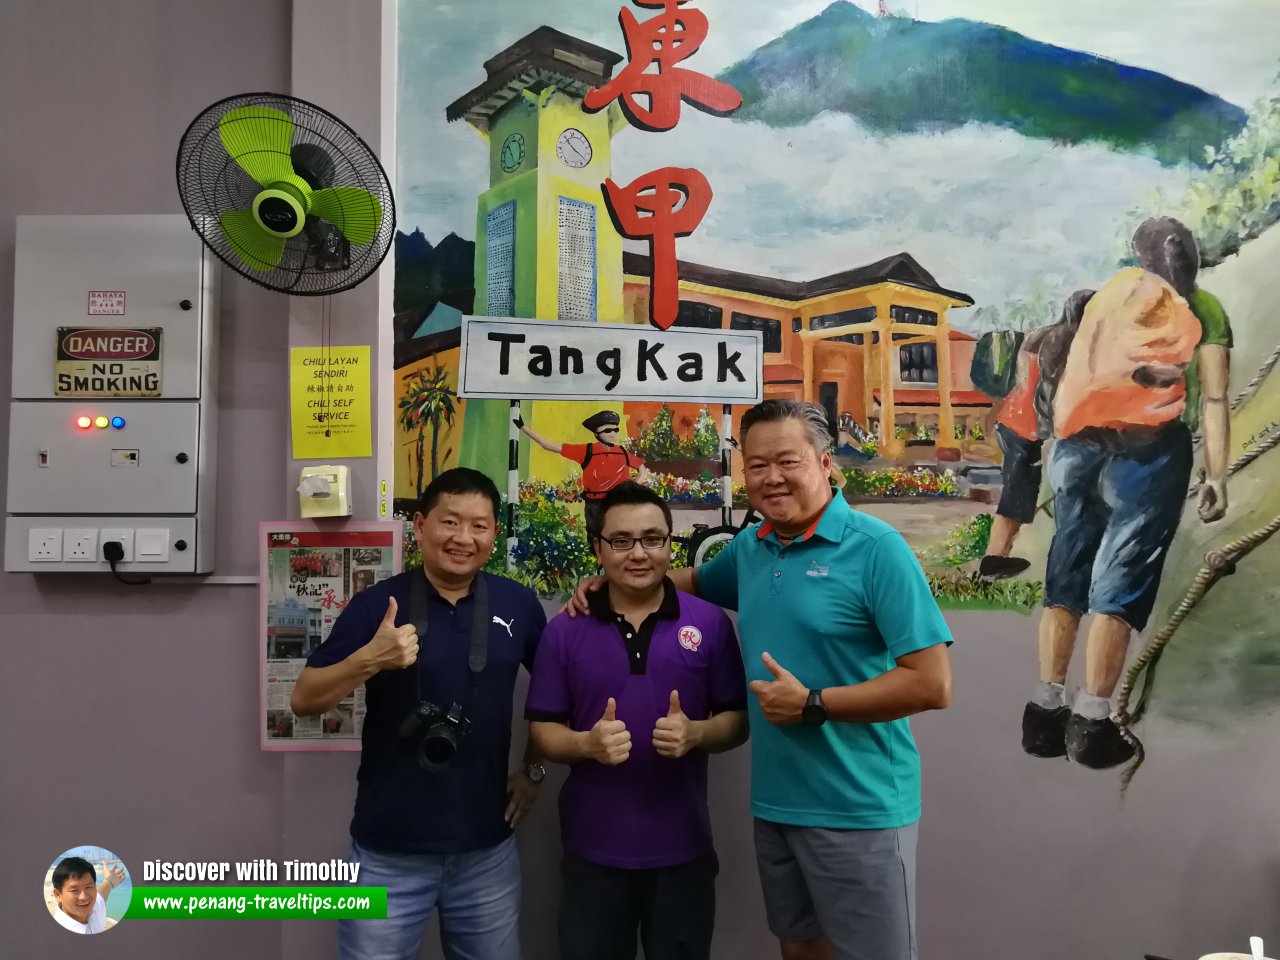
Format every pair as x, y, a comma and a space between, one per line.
437, 733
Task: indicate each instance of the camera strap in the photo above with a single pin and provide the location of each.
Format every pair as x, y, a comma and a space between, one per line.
419, 611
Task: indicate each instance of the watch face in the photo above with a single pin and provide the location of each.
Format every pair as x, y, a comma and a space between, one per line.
573, 148
512, 155
815, 711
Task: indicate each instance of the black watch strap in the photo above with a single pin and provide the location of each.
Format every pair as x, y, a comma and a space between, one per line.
815, 711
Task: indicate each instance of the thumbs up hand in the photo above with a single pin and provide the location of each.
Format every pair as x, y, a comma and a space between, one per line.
675, 734
782, 699
392, 647
609, 741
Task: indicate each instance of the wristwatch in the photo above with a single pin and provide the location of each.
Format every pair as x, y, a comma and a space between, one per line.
815, 711
535, 771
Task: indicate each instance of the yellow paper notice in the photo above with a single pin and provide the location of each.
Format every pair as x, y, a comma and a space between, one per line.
330, 407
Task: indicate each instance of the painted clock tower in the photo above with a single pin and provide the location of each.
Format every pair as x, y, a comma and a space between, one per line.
545, 245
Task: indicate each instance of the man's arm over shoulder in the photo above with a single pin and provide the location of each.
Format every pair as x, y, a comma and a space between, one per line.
717, 579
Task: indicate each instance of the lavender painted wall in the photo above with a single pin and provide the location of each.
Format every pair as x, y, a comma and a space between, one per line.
127, 715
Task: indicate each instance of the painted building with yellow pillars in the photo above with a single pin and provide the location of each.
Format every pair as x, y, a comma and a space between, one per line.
874, 343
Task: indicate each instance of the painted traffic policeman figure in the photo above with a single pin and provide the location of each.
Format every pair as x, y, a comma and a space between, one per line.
605, 463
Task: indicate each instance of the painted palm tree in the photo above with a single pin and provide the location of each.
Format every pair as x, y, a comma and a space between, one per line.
427, 401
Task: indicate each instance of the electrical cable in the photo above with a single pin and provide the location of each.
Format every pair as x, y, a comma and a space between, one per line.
113, 553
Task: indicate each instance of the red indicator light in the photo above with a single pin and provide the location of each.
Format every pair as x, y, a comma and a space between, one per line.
84, 423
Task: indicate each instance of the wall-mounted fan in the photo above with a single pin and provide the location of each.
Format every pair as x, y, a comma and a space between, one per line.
285, 194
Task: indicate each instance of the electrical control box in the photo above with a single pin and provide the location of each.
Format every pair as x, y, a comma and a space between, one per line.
113, 415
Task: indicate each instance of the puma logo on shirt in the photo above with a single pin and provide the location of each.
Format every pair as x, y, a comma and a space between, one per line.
505, 624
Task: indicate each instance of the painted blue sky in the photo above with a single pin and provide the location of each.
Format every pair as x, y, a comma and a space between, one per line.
987, 211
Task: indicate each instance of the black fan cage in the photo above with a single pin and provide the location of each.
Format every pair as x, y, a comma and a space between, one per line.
211, 183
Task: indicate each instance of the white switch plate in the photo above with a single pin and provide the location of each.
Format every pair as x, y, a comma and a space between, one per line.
123, 537
44, 545
80, 545
152, 544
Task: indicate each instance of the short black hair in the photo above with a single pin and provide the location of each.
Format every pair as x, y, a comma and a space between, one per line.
1164, 246
69, 867
629, 493
460, 480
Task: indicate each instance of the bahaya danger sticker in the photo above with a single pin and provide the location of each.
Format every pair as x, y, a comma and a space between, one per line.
106, 303
107, 362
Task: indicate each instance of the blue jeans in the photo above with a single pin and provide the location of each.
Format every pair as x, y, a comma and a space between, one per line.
477, 893
1115, 514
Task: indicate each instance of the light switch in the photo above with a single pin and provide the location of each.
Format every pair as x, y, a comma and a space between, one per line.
151, 545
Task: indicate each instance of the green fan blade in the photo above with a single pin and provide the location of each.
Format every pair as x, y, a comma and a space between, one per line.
258, 139
258, 249
355, 212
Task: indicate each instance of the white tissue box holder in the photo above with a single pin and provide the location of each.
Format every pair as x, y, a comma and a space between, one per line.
336, 502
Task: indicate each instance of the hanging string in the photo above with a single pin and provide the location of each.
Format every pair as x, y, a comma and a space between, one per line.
326, 345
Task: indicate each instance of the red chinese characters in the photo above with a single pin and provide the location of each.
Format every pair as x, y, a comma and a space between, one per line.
330, 600
659, 207
670, 202
666, 40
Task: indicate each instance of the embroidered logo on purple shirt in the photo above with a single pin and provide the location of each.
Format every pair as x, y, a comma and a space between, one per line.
690, 637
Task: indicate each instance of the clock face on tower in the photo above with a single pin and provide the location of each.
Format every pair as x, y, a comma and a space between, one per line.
512, 154
574, 149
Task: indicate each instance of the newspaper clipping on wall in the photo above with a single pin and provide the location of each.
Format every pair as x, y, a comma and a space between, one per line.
309, 575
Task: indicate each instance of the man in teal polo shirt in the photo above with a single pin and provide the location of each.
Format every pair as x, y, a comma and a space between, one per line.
842, 642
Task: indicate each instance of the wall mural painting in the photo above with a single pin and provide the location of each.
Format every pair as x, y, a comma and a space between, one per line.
1024, 258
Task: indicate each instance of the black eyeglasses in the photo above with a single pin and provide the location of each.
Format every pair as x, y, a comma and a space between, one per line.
623, 544
608, 430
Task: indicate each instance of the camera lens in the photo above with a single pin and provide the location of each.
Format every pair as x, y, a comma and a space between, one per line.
438, 748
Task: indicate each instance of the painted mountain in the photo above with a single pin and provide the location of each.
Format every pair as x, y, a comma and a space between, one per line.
427, 275
898, 75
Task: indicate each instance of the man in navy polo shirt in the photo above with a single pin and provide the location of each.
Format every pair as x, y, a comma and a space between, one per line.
843, 641
439, 837
634, 697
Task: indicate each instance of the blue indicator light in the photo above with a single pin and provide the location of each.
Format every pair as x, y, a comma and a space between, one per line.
117, 422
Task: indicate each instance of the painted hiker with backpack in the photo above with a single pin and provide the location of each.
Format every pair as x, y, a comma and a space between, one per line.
1020, 428
605, 463
1149, 363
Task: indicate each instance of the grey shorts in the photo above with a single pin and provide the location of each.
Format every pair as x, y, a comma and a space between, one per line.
854, 888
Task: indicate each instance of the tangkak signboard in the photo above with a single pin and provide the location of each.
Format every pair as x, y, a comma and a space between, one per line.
553, 360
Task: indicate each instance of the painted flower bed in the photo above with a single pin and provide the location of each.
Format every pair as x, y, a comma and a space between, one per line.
955, 590
675, 490
966, 542
900, 482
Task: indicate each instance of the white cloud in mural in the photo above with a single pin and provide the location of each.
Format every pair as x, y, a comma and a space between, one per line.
988, 212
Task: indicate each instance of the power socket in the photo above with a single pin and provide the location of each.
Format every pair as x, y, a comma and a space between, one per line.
80, 545
44, 545
123, 537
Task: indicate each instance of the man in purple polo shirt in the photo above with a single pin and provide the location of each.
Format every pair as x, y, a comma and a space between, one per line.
634, 697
